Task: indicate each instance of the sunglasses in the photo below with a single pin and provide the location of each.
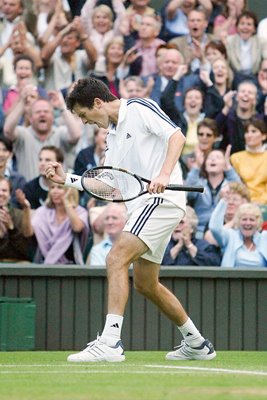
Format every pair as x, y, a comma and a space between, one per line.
201, 134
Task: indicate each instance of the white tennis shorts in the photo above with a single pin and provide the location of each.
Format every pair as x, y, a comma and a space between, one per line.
153, 222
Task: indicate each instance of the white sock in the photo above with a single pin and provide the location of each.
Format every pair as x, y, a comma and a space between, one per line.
190, 333
112, 329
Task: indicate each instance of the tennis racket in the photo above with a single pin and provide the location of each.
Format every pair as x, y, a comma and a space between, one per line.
119, 185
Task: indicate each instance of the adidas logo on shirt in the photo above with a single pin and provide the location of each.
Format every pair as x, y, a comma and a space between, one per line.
128, 136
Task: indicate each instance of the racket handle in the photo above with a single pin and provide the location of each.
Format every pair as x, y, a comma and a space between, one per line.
185, 188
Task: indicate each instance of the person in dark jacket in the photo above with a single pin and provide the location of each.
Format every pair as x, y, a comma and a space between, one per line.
184, 249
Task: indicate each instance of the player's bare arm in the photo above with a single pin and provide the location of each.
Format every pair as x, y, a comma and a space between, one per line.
174, 150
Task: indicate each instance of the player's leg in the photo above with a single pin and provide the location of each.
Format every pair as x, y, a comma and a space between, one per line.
108, 347
146, 281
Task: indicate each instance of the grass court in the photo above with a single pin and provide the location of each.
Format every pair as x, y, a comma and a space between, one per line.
144, 375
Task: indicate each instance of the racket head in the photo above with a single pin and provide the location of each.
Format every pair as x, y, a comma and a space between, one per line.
112, 184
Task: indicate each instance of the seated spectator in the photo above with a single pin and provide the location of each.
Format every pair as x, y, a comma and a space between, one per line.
172, 63
97, 21
251, 164
63, 59
235, 194
134, 86
244, 246
262, 86
215, 172
234, 114
192, 45
245, 49
115, 217
184, 249
15, 225
61, 227
225, 23
36, 190
28, 141
197, 104
16, 180
24, 69
208, 139
222, 76
262, 29
215, 49
114, 57
90, 157
147, 44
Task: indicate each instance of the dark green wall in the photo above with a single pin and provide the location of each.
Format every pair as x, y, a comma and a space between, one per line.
228, 305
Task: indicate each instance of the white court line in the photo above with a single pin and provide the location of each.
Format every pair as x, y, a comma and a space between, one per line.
204, 369
169, 369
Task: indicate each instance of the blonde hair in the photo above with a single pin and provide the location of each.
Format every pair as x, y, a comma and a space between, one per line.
239, 188
230, 76
250, 208
191, 217
73, 196
106, 10
115, 40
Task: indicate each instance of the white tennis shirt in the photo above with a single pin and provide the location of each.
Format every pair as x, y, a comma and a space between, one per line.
139, 143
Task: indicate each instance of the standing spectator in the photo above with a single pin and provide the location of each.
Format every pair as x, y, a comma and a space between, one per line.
244, 246
115, 217
225, 23
184, 249
147, 44
28, 141
235, 194
251, 163
234, 114
245, 49
61, 227
37, 189
15, 225
25, 70
17, 181
222, 76
172, 63
193, 44
63, 60
97, 21
214, 174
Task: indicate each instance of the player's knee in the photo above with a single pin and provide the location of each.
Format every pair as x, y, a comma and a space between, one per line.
143, 287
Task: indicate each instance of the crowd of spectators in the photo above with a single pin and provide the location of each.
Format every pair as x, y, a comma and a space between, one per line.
203, 61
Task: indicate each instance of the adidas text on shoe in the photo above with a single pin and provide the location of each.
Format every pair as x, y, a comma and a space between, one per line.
184, 352
97, 351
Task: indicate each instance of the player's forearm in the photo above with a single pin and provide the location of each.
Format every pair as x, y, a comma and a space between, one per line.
74, 126
175, 147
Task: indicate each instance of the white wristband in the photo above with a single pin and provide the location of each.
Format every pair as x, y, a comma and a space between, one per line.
73, 181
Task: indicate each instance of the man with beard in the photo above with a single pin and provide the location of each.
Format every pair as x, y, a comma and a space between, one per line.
28, 141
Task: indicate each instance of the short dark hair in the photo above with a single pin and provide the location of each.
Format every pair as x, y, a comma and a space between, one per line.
58, 152
84, 92
248, 14
24, 57
209, 123
7, 143
257, 123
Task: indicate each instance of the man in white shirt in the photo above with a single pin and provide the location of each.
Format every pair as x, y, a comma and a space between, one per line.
144, 140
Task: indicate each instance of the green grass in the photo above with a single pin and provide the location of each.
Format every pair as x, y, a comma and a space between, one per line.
144, 376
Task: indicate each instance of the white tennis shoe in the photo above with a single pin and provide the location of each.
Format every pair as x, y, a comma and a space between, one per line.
184, 352
97, 351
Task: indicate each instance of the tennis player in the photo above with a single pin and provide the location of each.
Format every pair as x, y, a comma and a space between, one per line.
145, 141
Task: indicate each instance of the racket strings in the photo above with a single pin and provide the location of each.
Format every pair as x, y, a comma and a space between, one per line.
112, 184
